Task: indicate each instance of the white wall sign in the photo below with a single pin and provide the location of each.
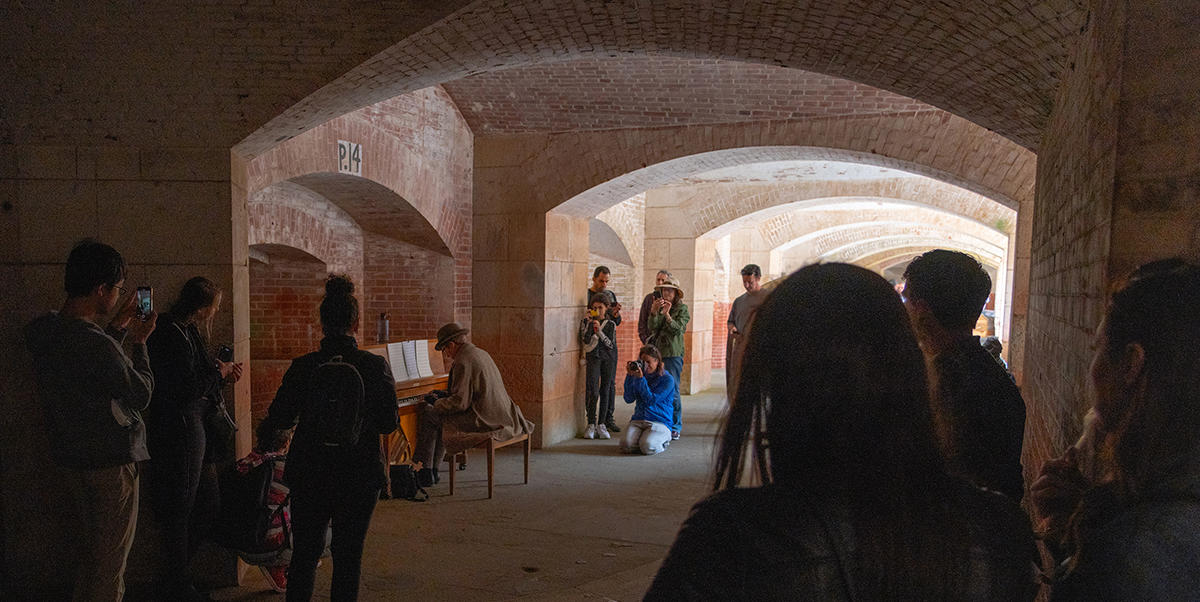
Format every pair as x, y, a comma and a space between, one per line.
349, 158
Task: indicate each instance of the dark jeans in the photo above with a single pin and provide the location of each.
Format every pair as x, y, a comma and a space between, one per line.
674, 367
313, 507
183, 491
600, 390
429, 448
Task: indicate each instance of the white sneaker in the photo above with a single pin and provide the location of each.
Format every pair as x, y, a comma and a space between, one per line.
590, 433
602, 432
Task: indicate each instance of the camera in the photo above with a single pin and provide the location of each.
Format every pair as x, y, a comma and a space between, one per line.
635, 365
145, 302
225, 353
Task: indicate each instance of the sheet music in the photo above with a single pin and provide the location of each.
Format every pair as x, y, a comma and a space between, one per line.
410, 358
396, 359
423, 368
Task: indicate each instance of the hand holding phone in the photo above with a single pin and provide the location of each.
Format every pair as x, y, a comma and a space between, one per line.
145, 302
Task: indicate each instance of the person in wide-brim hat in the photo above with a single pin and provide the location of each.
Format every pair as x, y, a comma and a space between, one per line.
670, 283
448, 333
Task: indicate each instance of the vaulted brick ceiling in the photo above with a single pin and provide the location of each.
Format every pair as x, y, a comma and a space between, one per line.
996, 63
650, 91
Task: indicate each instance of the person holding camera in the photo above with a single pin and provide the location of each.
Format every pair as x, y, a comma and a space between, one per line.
93, 382
187, 398
652, 390
598, 335
667, 322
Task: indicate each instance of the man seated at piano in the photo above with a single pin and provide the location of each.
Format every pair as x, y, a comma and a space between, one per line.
475, 406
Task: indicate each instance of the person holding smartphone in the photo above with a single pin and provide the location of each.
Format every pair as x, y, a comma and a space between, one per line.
598, 335
183, 485
93, 383
668, 320
652, 390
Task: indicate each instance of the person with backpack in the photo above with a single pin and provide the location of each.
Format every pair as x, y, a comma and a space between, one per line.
340, 399
255, 517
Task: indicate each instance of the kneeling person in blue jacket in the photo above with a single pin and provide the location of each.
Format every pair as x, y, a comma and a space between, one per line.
649, 386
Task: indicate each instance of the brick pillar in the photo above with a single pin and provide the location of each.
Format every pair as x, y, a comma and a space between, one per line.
671, 244
1118, 180
1017, 314
529, 280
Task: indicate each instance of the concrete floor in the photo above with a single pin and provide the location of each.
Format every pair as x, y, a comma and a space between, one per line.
592, 524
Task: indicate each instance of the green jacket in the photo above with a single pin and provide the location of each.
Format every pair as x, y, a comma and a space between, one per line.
666, 334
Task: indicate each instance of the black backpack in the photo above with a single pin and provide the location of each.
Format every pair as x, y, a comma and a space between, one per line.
245, 520
336, 418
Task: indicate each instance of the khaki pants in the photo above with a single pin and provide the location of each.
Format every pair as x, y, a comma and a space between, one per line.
108, 504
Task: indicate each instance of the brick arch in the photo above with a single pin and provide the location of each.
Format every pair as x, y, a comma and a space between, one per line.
935, 144
889, 258
391, 198
292, 215
715, 210
801, 225
604, 241
843, 243
991, 64
853, 253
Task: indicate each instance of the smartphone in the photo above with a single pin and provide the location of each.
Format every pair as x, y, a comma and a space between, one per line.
145, 301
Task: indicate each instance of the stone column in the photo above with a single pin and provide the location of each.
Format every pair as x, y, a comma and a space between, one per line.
671, 244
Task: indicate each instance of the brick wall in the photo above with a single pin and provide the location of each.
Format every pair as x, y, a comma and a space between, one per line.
648, 91
415, 286
1070, 247
284, 322
720, 332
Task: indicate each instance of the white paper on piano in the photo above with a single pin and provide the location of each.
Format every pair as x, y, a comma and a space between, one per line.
410, 358
396, 359
423, 368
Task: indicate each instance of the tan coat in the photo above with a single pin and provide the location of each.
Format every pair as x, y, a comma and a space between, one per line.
478, 402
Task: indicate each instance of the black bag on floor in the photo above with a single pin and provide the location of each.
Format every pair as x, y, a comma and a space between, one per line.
404, 483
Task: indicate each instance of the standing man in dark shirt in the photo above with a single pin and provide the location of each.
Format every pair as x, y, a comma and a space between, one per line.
599, 286
648, 304
979, 412
739, 324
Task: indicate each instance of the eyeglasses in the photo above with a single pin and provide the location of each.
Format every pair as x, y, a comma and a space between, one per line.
119, 287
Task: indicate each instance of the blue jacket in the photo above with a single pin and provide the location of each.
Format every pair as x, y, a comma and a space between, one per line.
654, 395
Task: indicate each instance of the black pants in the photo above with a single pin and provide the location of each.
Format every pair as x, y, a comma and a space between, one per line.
600, 389
313, 507
183, 491
429, 448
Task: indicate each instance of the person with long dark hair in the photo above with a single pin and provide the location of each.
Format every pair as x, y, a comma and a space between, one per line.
188, 385
832, 416
334, 469
651, 389
1130, 509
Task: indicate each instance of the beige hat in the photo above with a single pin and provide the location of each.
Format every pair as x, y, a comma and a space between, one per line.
448, 333
670, 283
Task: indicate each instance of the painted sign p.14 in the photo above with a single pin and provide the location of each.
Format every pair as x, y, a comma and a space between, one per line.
349, 158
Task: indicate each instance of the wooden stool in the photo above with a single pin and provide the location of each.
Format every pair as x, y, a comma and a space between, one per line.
491, 445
